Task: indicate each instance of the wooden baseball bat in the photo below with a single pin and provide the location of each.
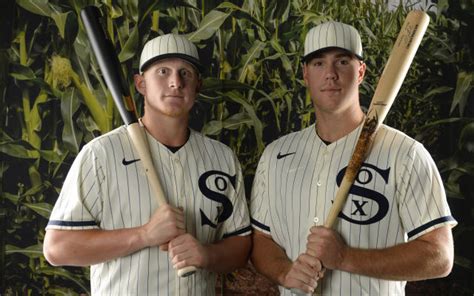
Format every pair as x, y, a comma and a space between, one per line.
392, 77
111, 70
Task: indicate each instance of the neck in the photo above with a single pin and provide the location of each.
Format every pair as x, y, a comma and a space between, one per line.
332, 127
167, 130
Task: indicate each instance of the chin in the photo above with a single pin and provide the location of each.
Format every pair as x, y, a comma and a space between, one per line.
175, 112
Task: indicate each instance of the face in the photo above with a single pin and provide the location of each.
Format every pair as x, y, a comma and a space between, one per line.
333, 78
169, 87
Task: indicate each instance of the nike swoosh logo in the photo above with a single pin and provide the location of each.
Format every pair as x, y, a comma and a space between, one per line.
280, 156
127, 162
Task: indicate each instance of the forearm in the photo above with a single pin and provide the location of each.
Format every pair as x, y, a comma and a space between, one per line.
228, 254
269, 259
88, 247
420, 259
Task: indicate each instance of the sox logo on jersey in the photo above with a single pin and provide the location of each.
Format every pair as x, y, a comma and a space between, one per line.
365, 176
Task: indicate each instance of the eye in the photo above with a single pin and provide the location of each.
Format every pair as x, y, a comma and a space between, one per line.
185, 73
317, 63
344, 61
162, 71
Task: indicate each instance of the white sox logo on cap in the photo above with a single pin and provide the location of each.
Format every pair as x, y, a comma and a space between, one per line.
332, 34
169, 46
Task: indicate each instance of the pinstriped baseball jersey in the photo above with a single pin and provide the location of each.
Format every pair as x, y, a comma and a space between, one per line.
107, 188
397, 196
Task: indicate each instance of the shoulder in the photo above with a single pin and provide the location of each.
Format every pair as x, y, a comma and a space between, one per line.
395, 139
209, 148
403, 147
103, 144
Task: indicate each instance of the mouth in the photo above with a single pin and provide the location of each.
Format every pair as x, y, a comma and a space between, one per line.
330, 89
174, 96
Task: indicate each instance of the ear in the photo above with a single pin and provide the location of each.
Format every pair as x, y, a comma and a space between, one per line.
362, 68
199, 86
140, 83
305, 74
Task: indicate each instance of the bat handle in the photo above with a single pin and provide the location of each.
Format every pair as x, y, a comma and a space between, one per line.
186, 271
339, 202
138, 135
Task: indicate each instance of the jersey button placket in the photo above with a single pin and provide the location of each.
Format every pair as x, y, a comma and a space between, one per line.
321, 170
179, 180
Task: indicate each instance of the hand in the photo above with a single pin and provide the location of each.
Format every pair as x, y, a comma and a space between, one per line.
327, 245
164, 225
185, 250
304, 274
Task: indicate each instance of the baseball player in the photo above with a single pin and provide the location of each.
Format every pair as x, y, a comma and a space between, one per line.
396, 223
107, 217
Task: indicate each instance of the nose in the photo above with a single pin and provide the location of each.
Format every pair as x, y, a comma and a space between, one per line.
331, 72
176, 81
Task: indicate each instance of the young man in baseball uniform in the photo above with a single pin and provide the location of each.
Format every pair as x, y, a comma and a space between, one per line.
396, 223
107, 217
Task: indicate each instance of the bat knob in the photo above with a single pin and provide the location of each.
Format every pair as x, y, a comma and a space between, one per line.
186, 271
296, 291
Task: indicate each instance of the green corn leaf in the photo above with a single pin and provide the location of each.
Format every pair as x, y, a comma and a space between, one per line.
464, 85
130, 48
33, 251
61, 19
40, 7
17, 150
13, 198
257, 124
43, 209
51, 156
214, 127
253, 54
71, 135
208, 26
437, 91
21, 72
240, 13
63, 273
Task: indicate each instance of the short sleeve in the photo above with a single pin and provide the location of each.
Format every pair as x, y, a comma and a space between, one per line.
79, 203
259, 201
423, 204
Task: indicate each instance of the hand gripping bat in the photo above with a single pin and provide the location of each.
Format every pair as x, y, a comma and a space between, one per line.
110, 67
392, 77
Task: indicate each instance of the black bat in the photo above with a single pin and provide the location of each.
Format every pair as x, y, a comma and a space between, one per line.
110, 66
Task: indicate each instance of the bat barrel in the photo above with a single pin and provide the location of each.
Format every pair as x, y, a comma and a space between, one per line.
109, 64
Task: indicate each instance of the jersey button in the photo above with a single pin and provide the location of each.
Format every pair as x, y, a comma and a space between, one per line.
319, 183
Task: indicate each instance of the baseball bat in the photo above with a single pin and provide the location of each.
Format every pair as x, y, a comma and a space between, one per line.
389, 84
112, 72
392, 77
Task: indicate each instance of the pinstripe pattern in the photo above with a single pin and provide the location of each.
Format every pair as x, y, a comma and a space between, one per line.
100, 192
333, 34
169, 45
398, 192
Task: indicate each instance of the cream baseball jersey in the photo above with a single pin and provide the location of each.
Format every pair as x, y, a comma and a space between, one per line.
107, 188
398, 195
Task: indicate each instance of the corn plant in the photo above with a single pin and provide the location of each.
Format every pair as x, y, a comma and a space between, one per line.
54, 99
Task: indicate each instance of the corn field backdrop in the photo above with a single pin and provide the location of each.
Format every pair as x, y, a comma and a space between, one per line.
54, 100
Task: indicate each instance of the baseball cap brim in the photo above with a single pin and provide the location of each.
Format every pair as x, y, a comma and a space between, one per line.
311, 55
185, 57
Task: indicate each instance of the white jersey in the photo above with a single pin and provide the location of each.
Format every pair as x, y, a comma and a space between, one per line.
398, 195
107, 188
